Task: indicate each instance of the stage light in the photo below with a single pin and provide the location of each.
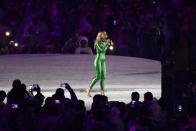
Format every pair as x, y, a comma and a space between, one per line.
7, 33
16, 44
111, 47
154, 2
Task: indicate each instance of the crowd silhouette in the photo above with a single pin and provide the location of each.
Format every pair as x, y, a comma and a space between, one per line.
29, 110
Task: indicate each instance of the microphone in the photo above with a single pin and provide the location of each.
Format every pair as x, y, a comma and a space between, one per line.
111, 44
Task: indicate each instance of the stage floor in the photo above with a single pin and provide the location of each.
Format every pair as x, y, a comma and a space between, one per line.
124, 74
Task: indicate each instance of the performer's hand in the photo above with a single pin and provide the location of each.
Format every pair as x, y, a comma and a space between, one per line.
108, 41
111, 42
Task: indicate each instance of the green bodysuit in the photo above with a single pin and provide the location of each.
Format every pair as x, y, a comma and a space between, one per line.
99, 64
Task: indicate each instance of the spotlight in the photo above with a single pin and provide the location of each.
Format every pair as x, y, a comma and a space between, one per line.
7, 33
154, 2
111, 47
16, 44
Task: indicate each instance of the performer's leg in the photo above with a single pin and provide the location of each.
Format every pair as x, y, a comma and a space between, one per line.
102, 79
102, 84
93, 82
97, 76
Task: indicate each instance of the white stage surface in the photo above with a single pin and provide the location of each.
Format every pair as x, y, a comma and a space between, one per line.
124, 74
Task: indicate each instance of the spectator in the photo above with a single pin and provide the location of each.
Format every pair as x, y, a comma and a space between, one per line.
135, 96
2, 98
24, 111
16, 94
83, 47
115, 119
71, 45
59, 95
152, 107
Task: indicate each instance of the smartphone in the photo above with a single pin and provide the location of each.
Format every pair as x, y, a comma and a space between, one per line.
57, 102
14, 106
63, 85
133, 102
35, 85
30, 86
179, 108
114, 22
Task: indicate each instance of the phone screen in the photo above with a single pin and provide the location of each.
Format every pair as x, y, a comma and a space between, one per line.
179, 107
14, 106
57, 102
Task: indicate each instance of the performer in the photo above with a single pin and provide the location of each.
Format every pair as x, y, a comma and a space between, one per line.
101, 45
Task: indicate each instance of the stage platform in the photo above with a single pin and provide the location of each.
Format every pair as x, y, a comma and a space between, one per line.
124, 74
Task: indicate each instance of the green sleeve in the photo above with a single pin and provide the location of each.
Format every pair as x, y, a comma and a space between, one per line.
105, 46
100, 48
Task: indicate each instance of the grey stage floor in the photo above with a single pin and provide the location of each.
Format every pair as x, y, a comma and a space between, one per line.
124, 74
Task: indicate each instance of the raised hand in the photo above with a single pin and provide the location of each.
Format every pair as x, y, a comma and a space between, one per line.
108, 41
111, 42
67, 86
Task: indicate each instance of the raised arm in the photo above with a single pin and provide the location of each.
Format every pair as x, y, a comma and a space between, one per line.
72, 93
106, 45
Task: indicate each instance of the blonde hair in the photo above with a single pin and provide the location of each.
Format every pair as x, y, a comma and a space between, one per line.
99, 37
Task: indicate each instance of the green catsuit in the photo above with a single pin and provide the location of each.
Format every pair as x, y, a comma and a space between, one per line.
99, 64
